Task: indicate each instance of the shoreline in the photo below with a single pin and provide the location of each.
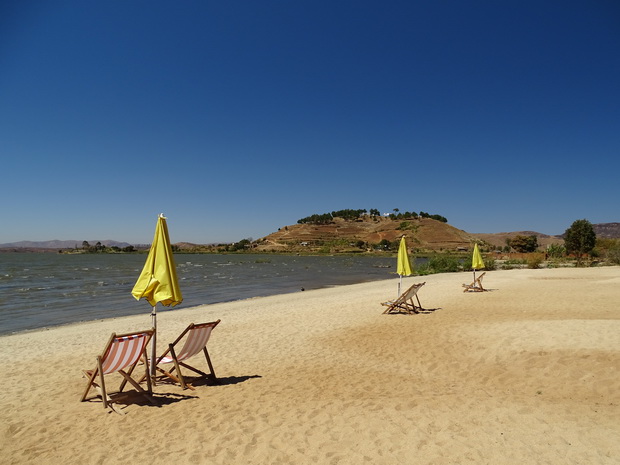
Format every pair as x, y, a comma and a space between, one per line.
60, 290
527, 372
65, 314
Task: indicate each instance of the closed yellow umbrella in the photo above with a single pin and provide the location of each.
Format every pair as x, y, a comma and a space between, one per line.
158, 281
403, 265
476, 260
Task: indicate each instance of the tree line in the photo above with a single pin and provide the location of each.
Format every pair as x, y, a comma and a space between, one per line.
100, 248
579, 241
352, 215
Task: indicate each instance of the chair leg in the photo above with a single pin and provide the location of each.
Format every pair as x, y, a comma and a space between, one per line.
178, 368
124, 383
104, 394
174, 378
149, 382
194, 369
209, 362
91, 378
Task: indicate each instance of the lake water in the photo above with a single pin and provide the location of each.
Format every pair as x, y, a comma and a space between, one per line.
45, 289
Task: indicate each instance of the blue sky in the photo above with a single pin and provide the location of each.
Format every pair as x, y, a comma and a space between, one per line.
237, 118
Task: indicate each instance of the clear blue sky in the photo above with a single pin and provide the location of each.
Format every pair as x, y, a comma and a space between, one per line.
236, 118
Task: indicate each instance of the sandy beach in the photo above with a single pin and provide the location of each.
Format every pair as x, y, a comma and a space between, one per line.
526, 373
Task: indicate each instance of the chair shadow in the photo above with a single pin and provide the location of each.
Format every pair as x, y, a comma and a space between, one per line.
130, 398
162, 399
419, 311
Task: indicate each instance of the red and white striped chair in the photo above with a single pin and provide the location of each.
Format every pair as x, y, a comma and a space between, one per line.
121, 355
197, 337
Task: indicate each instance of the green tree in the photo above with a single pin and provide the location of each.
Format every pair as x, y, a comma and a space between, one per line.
384, 244
580, 238
241, 245
524, 244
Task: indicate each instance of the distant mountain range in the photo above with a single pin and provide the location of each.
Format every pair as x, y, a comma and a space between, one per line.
57, 244
607, 230
429, 234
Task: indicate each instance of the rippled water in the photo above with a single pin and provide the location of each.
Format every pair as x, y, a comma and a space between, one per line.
47, 289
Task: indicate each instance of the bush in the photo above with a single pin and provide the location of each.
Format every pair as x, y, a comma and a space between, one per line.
556, 250
440, 264
613, 256
534, 261
489, 264
513, 263
608, 249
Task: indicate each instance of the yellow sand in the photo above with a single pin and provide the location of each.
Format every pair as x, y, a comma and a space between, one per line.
527, 373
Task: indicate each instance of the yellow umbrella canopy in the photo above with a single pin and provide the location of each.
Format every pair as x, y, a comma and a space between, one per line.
158, 281
403, 265
476, 259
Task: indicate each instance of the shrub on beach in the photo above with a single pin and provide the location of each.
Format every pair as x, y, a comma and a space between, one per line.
534, 261
512, 264
556, 251
489, 264
440, 264
614, 256
608, 250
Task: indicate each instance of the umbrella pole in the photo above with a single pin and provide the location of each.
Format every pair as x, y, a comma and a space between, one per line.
153, 342
400, 283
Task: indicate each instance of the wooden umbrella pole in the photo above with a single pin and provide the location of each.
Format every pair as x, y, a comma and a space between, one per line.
153, 342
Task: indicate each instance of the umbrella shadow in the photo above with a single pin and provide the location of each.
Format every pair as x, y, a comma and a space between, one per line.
165, 398
197, 381
427, 311
226, 381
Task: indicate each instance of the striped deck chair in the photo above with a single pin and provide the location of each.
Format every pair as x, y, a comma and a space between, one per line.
476, 286
405, 303
121, 355
196, 338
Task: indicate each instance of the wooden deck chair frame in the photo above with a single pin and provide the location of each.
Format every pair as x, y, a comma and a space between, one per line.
198, 336
405, 303
120, 355
476, 286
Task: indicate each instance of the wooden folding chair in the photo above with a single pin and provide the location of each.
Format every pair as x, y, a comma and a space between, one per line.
197, 337
121, 354
476, 286
404, 303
